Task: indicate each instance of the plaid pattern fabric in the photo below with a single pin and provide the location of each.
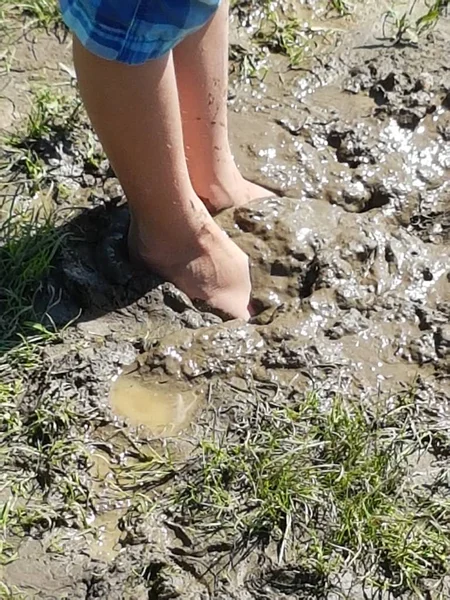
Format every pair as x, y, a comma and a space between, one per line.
133, 31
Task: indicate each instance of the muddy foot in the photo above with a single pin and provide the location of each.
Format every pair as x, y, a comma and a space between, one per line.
208, 267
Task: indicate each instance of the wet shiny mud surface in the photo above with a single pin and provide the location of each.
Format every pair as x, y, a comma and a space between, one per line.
351, 274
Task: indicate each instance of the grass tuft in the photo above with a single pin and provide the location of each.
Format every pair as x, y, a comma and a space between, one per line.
327, 483
284, 35
28, 244
52, 118
45, 470
341, 7
10, 593
45, 14
405, 28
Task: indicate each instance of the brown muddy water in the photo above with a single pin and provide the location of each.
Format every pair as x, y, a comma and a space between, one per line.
162, 409
351, 277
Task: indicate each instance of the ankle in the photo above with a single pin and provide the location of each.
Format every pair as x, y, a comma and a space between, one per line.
165, 245
215, 176
221, 193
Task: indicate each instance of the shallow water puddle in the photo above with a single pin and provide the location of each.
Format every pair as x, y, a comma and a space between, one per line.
163, 409
106, 544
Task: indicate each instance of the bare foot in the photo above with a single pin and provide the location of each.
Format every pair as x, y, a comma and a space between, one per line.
236, 191
205, 264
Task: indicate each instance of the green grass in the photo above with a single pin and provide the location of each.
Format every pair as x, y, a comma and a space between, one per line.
275, 28
405, 28
44, 460
36, 445
341, 7
7, 550
45, 13
248, 63
10, 593
29, 237
327, 483
28, 244
37, 13
47, 106
45, 463
53, 118
283, 35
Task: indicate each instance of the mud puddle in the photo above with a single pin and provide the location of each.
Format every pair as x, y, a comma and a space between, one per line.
162, 408
106, 541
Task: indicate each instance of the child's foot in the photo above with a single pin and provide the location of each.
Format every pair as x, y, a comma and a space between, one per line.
235, 191
205, 264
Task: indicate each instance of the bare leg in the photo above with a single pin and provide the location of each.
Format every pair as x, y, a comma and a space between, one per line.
135, 111
201, 65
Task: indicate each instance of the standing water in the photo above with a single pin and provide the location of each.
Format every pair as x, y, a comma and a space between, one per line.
162, 408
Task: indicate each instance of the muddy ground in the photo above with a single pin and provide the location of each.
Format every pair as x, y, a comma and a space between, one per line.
351, 273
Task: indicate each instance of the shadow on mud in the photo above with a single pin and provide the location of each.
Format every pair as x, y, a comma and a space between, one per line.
89, 276
92, 268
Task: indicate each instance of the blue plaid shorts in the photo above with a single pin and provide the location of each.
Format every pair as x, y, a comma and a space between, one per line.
134, 31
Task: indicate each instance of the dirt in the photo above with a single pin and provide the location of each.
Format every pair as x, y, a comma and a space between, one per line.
29, 60
351, 274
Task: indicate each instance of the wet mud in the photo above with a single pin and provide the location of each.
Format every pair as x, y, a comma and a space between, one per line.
351, 282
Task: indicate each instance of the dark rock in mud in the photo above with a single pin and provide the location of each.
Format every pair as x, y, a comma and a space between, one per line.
446, 101
352, 146
442, 341
408, 96
443, 125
